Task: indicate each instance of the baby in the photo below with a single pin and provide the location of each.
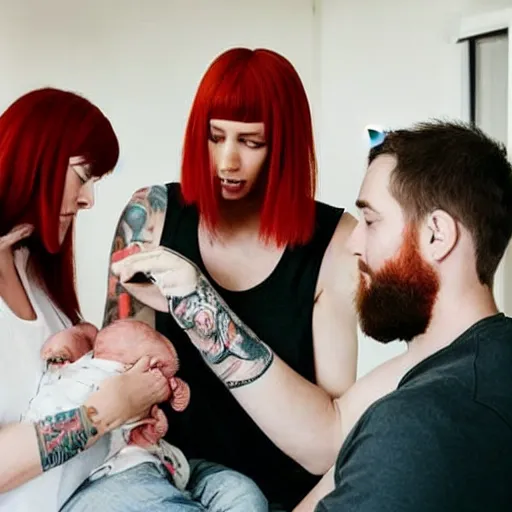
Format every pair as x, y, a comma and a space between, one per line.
78, 359
81, 357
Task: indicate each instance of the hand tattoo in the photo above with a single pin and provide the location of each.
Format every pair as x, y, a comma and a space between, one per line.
62, 436
135, 227
230, 348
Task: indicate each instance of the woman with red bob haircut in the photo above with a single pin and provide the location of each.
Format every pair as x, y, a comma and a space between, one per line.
256, 87
245, 214
54, 145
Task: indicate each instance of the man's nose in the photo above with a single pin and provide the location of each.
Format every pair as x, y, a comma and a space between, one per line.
355, 242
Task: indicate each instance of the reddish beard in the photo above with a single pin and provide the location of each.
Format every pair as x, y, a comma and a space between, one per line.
397, 302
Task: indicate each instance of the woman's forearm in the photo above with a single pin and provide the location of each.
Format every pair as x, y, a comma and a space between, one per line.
29, 449
298, 416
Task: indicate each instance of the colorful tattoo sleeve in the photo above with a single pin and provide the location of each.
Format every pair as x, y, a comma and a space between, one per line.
134, 229
229, 347
62, 436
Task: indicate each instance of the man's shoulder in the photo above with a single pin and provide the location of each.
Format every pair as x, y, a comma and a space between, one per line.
415, 451
444, 406
403, 406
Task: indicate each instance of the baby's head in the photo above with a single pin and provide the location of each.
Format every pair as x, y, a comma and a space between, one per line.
69, 345
128, 340
124, 341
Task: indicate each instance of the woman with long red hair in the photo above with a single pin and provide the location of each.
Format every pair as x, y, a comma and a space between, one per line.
245, 214
54, 145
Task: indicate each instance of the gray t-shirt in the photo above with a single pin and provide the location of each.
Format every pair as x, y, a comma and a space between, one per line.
442, 442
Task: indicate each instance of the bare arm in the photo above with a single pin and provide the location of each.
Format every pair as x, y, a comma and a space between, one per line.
321, 490
239, 358
30, 449
367, 390
141, 222
334, 316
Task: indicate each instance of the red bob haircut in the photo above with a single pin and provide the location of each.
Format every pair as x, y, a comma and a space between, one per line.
256, 86
39, 132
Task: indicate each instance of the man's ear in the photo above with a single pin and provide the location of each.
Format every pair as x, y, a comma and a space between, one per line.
443, 234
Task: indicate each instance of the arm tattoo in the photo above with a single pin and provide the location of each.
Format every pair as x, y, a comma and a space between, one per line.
230, 349
135, 226
62, 436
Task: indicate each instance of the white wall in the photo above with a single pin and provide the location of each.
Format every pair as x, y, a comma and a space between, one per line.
140, 61
362, 61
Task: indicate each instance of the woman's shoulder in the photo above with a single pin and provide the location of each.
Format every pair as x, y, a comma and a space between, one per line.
326, 211
328, 219
155, 191
156, 197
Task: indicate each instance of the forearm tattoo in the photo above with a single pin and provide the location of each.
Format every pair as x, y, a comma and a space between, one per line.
62, 436
135, 226
230, 348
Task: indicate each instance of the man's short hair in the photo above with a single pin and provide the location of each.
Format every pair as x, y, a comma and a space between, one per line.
457, 168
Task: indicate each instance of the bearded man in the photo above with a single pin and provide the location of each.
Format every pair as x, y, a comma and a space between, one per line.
436, 206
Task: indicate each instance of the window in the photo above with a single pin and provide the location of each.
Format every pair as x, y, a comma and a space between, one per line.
488, 81
488, 105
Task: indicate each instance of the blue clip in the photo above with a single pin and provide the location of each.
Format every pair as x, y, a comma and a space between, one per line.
376, 135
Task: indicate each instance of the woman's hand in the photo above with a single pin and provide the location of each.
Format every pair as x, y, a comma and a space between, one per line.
229, 347
174, 275
128, 396
17, 234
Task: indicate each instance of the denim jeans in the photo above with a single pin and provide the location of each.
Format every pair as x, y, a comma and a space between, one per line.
146, 487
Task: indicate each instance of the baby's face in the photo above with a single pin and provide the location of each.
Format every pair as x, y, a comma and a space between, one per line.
69, 345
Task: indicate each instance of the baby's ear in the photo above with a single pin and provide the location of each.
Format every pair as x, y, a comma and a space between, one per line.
90, 330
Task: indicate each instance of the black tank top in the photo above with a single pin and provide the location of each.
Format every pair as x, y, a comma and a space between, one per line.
279, 310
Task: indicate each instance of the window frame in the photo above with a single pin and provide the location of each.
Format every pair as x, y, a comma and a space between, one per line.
470, 30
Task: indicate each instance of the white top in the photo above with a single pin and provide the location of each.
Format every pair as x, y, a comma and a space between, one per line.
21, 368
65, 387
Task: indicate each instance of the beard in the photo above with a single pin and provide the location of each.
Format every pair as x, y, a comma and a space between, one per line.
396, 302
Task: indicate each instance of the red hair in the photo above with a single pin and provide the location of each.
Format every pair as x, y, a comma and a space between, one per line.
256, 86
39, 132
